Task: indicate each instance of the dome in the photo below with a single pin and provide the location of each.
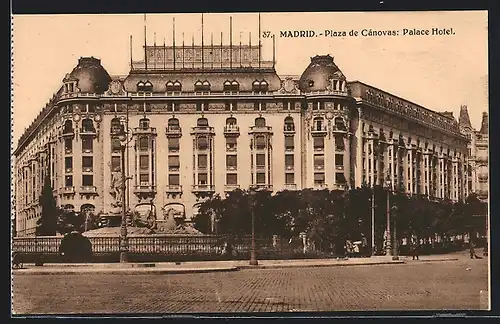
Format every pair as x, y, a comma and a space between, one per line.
91, 76
317, 75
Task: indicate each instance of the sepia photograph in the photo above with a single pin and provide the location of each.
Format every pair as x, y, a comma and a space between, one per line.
246, 163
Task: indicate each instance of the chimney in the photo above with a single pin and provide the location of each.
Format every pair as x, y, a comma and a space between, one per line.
484, 124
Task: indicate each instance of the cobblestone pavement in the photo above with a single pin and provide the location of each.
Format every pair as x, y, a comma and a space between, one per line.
415, 285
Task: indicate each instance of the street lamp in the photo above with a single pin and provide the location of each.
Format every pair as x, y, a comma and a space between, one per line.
395, 256
122, 136
388, 250
253, 257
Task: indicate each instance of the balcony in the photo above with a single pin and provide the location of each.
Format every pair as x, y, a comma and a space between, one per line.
290, 186
88, 190
289, 129
232, 130
261, 129
203, 188
339, 168
88, 151
339, 186
319, 130
231, 187
263, 187
339, 148
320, 186
202, 130
144, 130
145, 189
68, 190
260, 168
289, 167
319, 167
68, 132
173, 189
87, 169
68, 151
173, 131
339, 130
88, 132
231, 168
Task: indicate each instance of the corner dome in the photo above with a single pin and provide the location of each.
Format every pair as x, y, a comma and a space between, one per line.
91, 76
318, 74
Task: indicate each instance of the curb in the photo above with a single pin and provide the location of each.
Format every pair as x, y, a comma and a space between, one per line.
283, 266
129, 271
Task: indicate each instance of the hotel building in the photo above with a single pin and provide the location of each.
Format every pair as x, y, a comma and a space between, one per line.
206, 119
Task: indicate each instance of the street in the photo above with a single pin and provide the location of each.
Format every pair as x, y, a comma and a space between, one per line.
415, 285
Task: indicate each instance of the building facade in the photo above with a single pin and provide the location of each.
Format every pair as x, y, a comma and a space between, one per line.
202, 120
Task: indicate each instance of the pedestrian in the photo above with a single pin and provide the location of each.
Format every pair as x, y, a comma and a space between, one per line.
414, 248
472, 251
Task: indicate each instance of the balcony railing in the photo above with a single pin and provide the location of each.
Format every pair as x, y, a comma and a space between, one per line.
319, 167
320, 186
202, 130
319, 130
264, 187
145, 188
173, 189
339, 167
289, 129
203, 188
290, 186
289, 167
87, 169
68, 151
88, 132
231, 187
231, 168
68, 190
173, 131
261, 129
339, 148
68, 132
145, 130
88, 190
339, 130
339, 186
231, 129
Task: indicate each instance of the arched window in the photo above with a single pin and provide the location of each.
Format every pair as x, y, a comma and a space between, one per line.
318, 123
231, 121
340, 124
289, 125
144, 123
202, 143
68, 127
202, 122
174, 86
173, 123
116, 126
200, 86
260, 122
260, 86
87, 125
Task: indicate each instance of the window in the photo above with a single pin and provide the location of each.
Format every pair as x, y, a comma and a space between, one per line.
231, 121
87, 163
231, 179
289, 126
144, 86
144, 162
68, 127
68, 164
116, 163
202, 143
260, 142
339, 124
318, 124
68, 145
87, 126
231, 162
143, 143
260, 160
319, 162
260, 122
68, 181
173, 144
340, 178
173, 124
202, 161
202, 178
144, 123
231, 143
231, 86
289, 161
87, 180
200, 86
290, 178
173, 163
261, 178
87, 145
319, 178
173, 180
144, 179
339, 159
173, 86
115, 145
319, 143
339, 143
289, 143
260, 86
202, 122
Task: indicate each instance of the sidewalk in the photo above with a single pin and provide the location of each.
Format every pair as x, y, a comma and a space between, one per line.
216, 266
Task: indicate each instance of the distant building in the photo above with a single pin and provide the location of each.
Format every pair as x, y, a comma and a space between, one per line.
210, 119
477, 166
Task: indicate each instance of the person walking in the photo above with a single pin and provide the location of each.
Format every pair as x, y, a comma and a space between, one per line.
414, 248
472, 251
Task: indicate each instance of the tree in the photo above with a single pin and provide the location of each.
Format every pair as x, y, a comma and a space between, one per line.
47, 223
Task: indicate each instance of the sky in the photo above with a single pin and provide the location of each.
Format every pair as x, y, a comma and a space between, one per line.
438, 72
